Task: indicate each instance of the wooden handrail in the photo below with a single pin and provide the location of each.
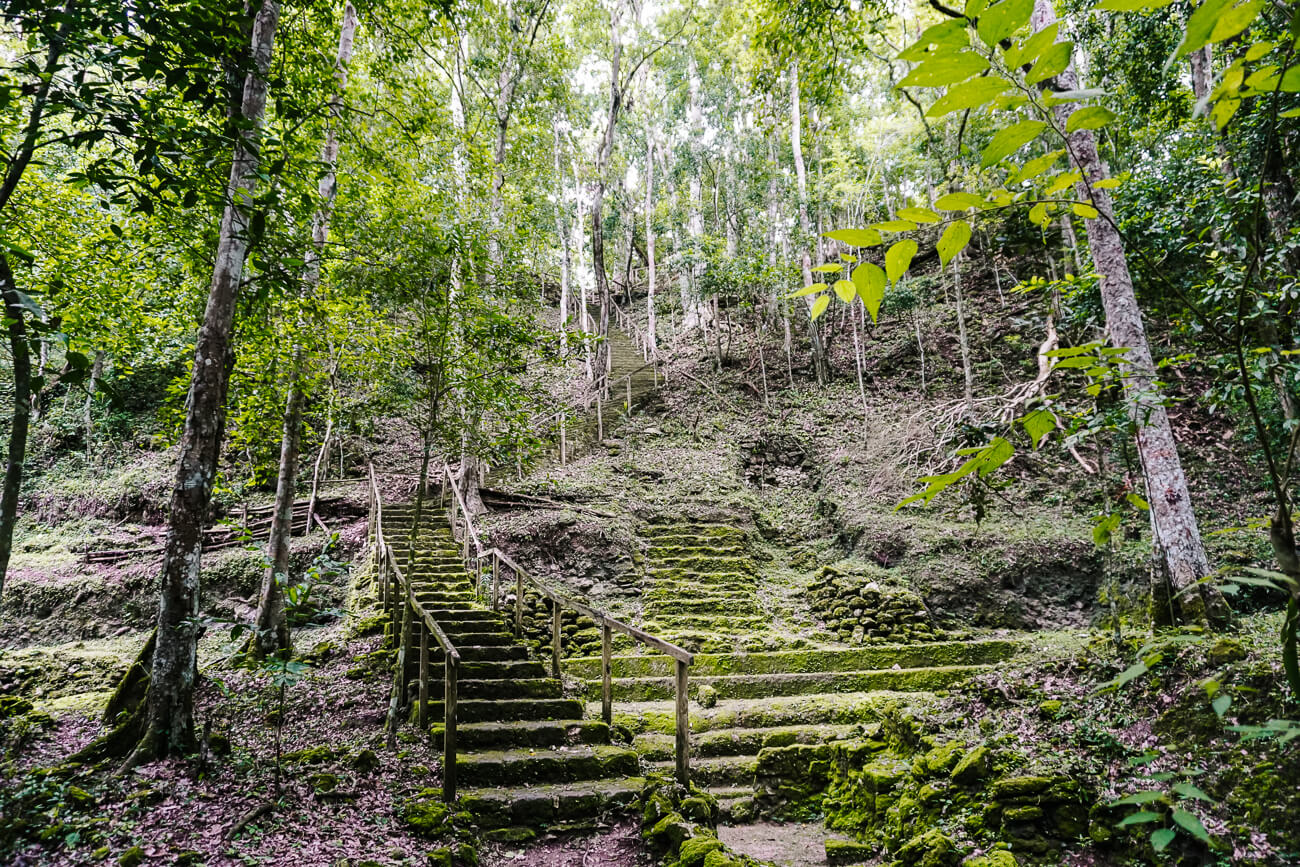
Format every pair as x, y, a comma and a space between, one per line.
608, 623
386, 563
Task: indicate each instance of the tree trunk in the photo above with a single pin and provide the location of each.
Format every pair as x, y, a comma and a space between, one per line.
562, 230
270, 630
821, 369
169, 712
603, 153
651, 325
695, 313
1177, 533
20, 353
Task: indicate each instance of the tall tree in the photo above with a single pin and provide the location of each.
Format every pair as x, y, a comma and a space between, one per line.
821, 366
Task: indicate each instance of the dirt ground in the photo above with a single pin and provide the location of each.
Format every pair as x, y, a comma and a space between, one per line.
789, 845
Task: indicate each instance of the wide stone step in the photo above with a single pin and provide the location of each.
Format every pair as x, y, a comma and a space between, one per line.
464, 634
482, 653
495, 688
742, 742
810, 683
789, 661
548, 804
505, 710
735, 771
525, 733
707, 623
660, 716
558, 765
701, 577
706, 606
463, 615
662, 591
496, 670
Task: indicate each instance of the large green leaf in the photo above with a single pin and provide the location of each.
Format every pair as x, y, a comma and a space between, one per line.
918, 215
945, 69
830, 268
959, 202
1000, 20
1089, 117
807, 290
820, 305
1131, 5
953, 240
1141, 817
894, 226
1038, 423
968, 95
1036, 166
1161, 838
845, 290
1007, 141
899, 258
948, 34
856, 237
1217, 21
870, 281
1029, 50
1190, 823
1054, 61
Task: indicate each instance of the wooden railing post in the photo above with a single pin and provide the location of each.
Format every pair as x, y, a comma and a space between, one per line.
519, 604
464, 553
563, 446
629, 394
496, 581
424, 677
606, 676
600, 421
449, 732
683, 746
555, 638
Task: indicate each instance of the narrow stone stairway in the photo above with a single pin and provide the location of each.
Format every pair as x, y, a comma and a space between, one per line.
526, 756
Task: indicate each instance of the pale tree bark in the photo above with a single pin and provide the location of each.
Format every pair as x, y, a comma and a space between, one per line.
168, 709
1178, 536
562, 231
605, 148
821, 368
88, 419
270, 629
694, 311
652, 325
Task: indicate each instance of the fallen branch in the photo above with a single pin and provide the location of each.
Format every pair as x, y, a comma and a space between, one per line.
247, 819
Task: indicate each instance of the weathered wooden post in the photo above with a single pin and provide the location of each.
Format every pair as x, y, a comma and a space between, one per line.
424, 677
496, 581
600, 421
629, 394
683, 747
449, 730
606, 676
519, 603
564, 459
555, 638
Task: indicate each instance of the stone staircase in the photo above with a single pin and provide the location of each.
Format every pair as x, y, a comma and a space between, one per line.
525, 754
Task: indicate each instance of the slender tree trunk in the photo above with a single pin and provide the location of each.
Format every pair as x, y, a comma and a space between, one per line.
271, 631
652, 326
20, 354
694, 311
603, 153
968, 375
1173, 519
562, 230
821, 369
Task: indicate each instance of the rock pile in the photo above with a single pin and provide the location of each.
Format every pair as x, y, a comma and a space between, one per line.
860, 609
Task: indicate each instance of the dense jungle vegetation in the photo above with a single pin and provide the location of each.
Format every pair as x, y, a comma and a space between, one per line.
601, 432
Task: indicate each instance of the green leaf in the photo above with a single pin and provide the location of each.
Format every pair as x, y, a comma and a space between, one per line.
968, 95
1160, 839
1063, 181
894, 226
845, 290
1036, 166
953, 240
999, 451
1148, 797
959, 202
1089, 117
918, 215
1029, 50
947, 69
1000, 20
1139, 818
949, 34
1258, 50
1039, 217
830, 268
1038, 424
898, 258
1131, 5
1223, 111
1082, 209
1054, 61
848, 257
820, 305
1137, 502
870, 281
1216, 21
1190, 823
807, 290
856, 237
1131, 673
1188, 790
1008, 141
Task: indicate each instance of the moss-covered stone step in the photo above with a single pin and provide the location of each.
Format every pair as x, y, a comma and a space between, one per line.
691, 531
863, 707
743, 742
733, 624
737, 771
474, 669
532, 687
561, 764
803, 683
465, 633
462, 615
818, 660
702, 605
700, 578
525, 733
667, 548
482, 653
548, 804
505, 710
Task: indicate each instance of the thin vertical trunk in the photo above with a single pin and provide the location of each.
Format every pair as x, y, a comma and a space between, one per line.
651, 324
821, 369
169, 702
562, 230
88, 420
603, 153
968, 376
20, 355
270, 629
1177, 533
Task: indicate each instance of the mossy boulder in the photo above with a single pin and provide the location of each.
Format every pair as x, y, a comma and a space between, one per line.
668, 833
996, 858
13, 705
132, 857
974, 767
427, 815
839, 852
692, 852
